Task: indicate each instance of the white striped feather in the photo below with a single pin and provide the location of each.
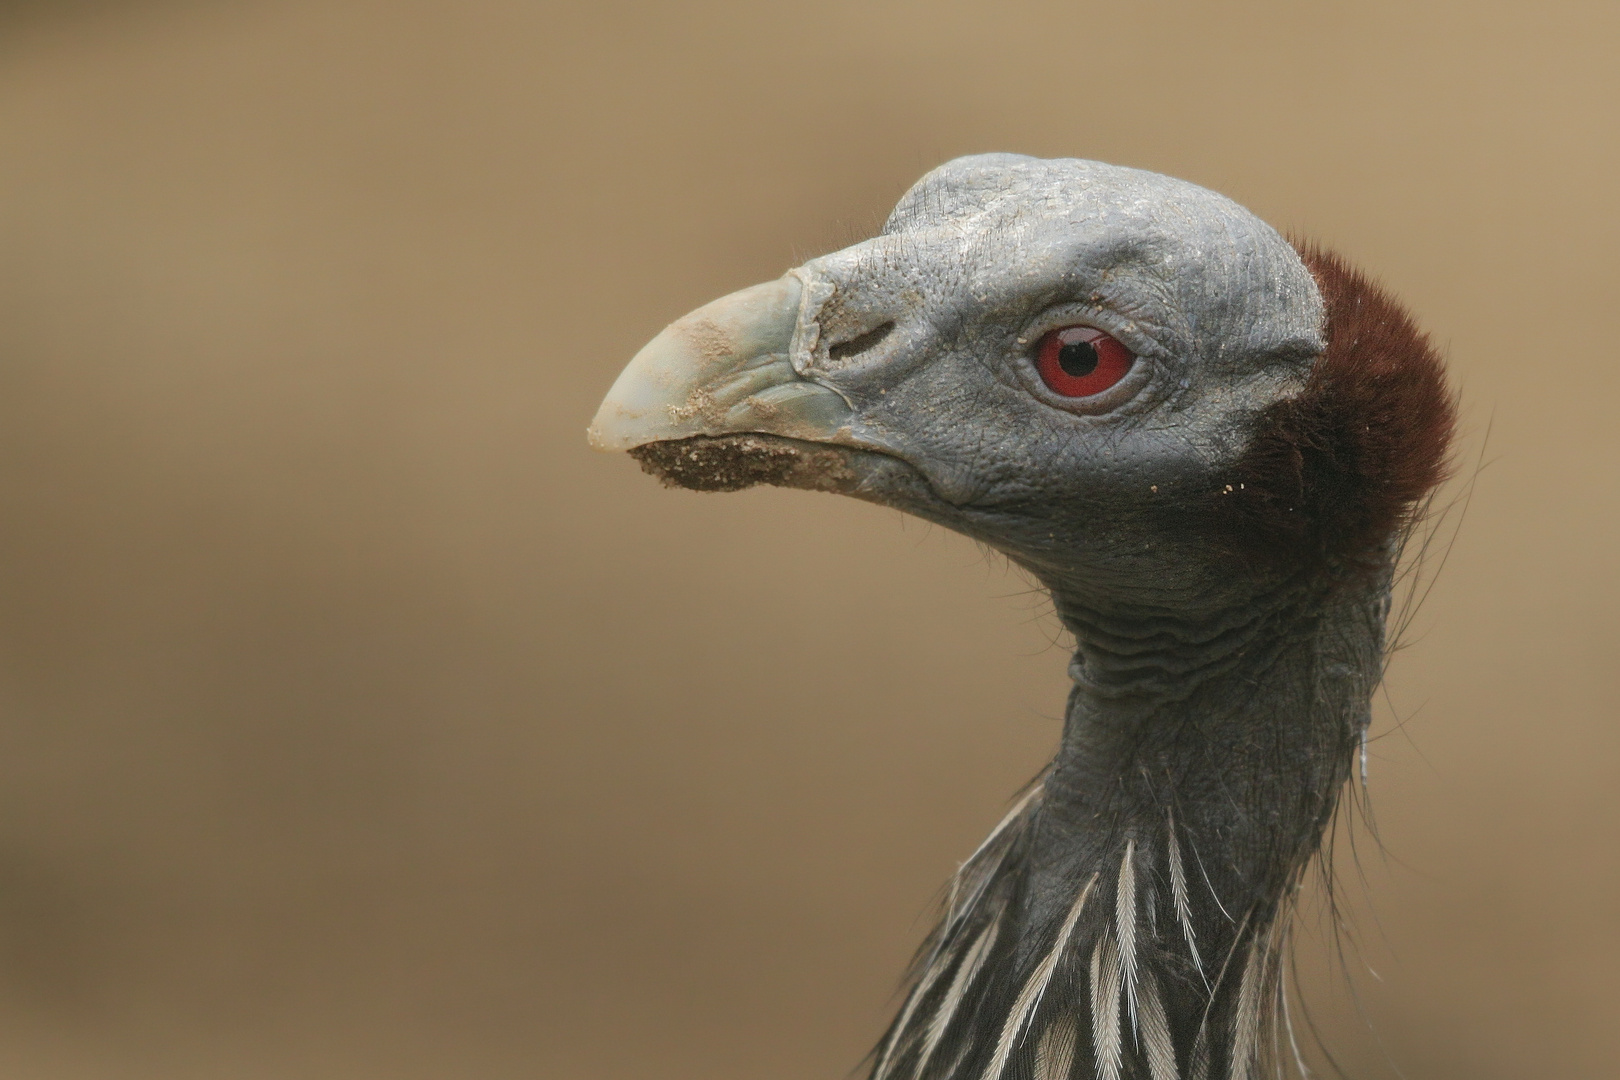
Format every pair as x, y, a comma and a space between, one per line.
1178, 894
1246, 1017
1035, 986
1161, 1051
972, 961
1125, 925
955, 912
1105, 1007
940, 963
1054, 1054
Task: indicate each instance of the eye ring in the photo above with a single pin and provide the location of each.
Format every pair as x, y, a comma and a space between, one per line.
1081, 361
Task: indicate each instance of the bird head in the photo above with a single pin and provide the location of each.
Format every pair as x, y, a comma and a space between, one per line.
1121, 380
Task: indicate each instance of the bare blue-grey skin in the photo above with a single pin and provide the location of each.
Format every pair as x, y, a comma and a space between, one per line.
1129, 917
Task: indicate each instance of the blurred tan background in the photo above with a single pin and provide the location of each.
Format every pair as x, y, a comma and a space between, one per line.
357, 721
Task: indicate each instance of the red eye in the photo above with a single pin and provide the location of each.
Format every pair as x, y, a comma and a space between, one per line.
1079, 361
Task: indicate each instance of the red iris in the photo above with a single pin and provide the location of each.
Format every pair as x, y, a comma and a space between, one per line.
1079, 361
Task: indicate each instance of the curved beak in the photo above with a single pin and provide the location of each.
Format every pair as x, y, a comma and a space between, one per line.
724, 369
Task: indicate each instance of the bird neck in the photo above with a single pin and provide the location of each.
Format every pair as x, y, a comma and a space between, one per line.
1129, 916
1239, 725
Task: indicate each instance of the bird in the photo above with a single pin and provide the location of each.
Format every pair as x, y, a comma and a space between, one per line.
1208, 443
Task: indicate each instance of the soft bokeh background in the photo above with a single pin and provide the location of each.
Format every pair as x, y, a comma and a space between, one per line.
357, 721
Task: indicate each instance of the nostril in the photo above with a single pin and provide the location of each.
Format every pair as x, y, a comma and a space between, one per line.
857, 345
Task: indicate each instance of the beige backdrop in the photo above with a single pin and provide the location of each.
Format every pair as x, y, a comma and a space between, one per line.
357, 721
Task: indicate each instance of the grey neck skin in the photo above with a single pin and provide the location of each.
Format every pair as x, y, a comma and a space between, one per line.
1242, 724
1235, 731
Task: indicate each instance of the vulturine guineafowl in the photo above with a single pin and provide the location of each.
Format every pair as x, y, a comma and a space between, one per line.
1207, 444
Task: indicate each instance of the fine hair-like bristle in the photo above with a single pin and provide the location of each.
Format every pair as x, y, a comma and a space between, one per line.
1332, 472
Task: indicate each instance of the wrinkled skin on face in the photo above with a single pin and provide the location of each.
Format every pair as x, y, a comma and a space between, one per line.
919, 345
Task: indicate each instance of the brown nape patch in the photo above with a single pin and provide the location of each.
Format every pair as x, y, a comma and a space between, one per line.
1333, 474
734, 462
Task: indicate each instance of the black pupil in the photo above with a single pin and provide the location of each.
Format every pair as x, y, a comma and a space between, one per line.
1077, 358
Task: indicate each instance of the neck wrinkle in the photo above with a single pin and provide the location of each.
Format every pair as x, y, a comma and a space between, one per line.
1149, 659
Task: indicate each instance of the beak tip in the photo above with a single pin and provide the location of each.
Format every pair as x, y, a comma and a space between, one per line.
607, 437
